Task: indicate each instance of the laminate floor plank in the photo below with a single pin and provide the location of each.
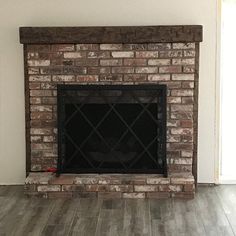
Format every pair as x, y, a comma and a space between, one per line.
61, 218
187, 220
210, 210
175, 217
83, 226
9, 197
5, 190
111, 218
162, 217
211, 213
34, 218
227, 196
89, 207
104, 223
85, 220
14, 216
137, 217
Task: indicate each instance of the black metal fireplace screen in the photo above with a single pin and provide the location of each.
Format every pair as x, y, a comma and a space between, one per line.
112, 129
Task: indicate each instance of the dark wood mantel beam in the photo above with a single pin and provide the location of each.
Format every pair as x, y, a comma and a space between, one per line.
114, 34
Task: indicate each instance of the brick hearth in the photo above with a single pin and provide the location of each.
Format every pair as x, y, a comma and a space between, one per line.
110, 185
173, 61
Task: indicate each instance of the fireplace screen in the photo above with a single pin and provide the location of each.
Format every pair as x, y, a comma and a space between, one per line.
112, 129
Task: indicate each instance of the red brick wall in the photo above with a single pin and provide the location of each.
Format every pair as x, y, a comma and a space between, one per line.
173, 64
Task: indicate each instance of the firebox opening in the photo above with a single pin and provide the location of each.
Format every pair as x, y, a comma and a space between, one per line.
112, 130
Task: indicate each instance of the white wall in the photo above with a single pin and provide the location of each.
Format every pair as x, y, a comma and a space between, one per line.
15, 13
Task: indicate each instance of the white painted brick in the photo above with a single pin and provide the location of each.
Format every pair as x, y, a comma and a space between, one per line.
183, 131
49, 188
38, 62
74, 54
111, 46
145, 188
146, 70
159, 62
63, 78
122, 54
183, 45
39, 78
158, 77
158, 180
183, 77
133, 195
189, 61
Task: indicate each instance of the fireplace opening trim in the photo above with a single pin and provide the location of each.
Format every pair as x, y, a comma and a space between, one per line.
138, 130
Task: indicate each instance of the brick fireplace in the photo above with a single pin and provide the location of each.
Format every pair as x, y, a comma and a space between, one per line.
150, 55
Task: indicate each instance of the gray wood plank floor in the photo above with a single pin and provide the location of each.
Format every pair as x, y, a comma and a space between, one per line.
212, 212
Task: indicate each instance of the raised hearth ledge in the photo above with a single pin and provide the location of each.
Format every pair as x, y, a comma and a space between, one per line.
47, 185
114, 34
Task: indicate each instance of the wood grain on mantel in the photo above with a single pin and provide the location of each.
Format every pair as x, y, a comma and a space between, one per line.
114, 34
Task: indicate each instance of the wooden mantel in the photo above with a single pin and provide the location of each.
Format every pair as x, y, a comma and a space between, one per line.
114, 34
